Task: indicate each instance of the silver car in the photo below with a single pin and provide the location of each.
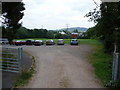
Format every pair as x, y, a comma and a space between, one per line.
60, 42
38, 42
50, 42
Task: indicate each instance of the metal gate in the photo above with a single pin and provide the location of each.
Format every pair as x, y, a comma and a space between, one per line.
11, 59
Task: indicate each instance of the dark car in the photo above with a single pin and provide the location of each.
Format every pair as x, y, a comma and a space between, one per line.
60, 42
50, 42
29, 42
38, 42
42, 42
74, 42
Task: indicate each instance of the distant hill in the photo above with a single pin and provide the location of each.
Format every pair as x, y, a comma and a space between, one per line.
80, 29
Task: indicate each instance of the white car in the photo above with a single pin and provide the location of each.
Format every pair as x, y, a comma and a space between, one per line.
4, 41
38, 42
74, 42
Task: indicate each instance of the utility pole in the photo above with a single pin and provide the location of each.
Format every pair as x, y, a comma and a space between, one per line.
0, 7
67, 25
41, 26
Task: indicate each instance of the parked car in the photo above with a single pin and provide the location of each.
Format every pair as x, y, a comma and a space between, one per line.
38, 42
23, 42
13, 42
42, 42
18, 42
29, 42
74, 42
50, 42
4, 41
60, 42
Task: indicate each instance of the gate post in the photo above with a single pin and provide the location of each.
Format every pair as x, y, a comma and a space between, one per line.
119, 67
115, 66
20, 58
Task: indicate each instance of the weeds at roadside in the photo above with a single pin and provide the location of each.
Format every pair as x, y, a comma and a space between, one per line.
101, 61
25, 76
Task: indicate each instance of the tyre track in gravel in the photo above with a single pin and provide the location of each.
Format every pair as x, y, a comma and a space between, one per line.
62, 67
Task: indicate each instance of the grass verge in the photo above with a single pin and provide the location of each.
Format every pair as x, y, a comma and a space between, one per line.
25, 76
102, 62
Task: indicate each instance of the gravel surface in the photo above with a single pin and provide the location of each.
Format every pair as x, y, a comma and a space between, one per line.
62, 67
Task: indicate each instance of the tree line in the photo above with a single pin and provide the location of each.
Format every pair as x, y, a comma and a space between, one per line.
24, 33
107, 28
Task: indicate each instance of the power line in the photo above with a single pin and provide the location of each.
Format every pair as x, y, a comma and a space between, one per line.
96, 3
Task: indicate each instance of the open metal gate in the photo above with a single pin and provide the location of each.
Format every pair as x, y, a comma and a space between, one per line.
11, 59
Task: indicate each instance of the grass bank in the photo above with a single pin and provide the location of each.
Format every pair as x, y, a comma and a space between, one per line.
25, 76
102, 62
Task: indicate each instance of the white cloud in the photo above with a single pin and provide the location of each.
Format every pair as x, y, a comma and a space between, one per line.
55, 14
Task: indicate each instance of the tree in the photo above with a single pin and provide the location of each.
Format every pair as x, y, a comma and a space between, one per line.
50, 35
22, 33
75, 31
91, 33
106, 19
59, 36
11, 15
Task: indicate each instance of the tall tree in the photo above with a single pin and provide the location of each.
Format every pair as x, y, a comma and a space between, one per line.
107, 22
12, 13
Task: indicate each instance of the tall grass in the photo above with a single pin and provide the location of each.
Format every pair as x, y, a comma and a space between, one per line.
101, 61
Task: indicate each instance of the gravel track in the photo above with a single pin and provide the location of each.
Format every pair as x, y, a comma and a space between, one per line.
62, 67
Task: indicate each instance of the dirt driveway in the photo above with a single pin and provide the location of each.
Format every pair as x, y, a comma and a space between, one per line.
62, 67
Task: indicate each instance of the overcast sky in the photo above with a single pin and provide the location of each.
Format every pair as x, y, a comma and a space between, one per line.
55, 14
